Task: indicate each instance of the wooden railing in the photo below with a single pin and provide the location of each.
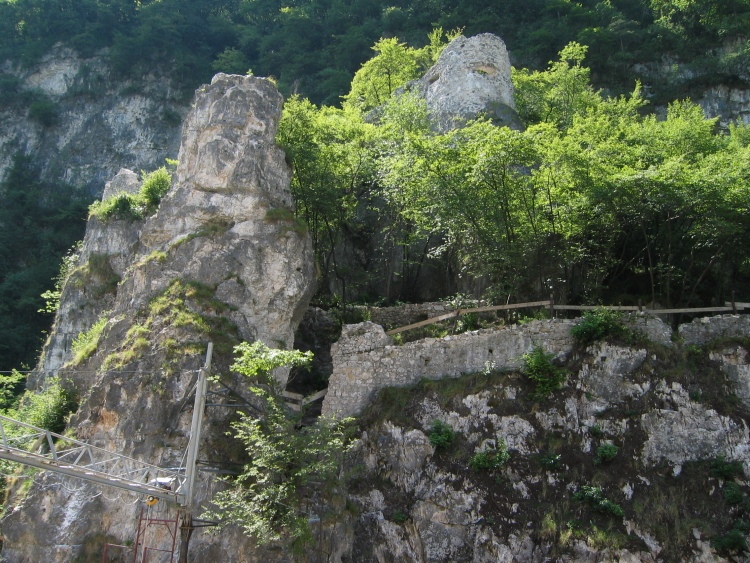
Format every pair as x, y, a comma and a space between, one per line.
729, 307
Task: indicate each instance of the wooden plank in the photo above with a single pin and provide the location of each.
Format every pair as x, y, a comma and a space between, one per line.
433, 320
293, 396
459, 312
507, 307
294, 407
315, 396
695, 310
595, 307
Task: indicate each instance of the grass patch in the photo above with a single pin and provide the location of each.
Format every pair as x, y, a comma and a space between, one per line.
186, 316
215, 226
132, 207
86, 343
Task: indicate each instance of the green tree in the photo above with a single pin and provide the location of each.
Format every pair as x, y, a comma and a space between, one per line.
286, 464
555, 95
393, 66
39, 223
332, 153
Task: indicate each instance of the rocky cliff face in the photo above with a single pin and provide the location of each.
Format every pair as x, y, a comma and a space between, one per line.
672, 490
222, 260
93, 124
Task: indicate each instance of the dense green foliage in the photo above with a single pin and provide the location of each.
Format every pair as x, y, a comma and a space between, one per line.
315, 46
539, 368
597, 325
47, 408
490, 460
594, 497
38, 224
605, 453
441, 434
287, 464
131, 207
596, 200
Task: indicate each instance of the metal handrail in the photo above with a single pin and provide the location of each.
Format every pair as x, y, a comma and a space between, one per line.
21, 442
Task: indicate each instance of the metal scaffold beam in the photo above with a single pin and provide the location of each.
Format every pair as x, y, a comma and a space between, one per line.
37, 447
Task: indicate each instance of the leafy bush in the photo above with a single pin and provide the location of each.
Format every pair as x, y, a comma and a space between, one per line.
287, 465
399, 517
467, 322
539, 368
85, 344
597, 325
47, 408
154, 187
490, 460
594, 497
10, 387
731, 542
605, 453
724, 469
733, 493
132, 207
550, 461
441, 434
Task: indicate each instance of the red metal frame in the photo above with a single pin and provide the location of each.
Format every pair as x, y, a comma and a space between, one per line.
149, 517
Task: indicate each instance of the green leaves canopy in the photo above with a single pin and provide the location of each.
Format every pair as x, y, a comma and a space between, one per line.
595, 199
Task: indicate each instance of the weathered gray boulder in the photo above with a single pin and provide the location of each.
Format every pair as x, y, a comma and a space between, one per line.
471, 78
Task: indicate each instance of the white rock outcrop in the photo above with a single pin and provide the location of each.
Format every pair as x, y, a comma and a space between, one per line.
472, 77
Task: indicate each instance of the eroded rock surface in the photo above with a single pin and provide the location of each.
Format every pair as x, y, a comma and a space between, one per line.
213, 263
471, 78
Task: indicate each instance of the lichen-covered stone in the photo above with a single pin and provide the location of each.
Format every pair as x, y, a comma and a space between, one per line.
471, 78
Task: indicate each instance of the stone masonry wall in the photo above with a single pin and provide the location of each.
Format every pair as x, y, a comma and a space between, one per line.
365, 359
704, 330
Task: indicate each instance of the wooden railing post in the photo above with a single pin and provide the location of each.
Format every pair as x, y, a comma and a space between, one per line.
551, 306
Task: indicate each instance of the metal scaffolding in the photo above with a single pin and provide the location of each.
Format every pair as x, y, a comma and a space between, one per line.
37, 447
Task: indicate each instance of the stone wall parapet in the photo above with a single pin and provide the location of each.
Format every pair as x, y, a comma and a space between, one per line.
704, 330
364, 360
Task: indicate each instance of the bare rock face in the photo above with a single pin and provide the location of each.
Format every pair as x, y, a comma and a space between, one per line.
229, 220
222, 260
101, 122
106, 254
471, 78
